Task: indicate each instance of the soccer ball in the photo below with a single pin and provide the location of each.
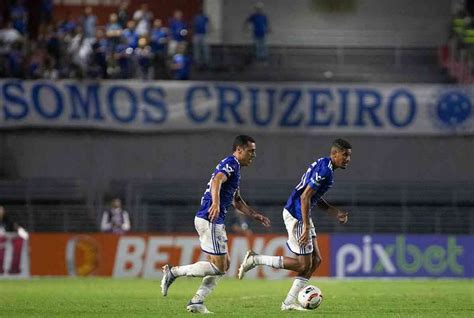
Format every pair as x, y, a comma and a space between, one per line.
310, 297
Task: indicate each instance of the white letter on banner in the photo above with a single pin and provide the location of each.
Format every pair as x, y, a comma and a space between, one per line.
129, 251
153, 256
271, 249
367, 253
384, 259
345, 250
187, 245
240, 246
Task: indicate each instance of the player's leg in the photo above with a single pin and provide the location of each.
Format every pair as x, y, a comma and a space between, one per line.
213, 242
311, 262
196, 304
316, 259
207, 286
302, 266
297, 264
221, 262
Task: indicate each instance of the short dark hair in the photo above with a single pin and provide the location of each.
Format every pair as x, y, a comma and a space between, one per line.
241, 141
341, 144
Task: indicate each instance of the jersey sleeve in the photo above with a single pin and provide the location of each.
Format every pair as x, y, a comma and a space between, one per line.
318, 177
228, 167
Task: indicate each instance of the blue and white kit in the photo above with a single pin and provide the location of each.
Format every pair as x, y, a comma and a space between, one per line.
212, 235
319, 177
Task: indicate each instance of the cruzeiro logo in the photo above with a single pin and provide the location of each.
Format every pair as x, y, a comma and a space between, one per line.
452, 109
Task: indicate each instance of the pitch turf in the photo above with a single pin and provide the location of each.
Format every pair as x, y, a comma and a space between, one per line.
232, 298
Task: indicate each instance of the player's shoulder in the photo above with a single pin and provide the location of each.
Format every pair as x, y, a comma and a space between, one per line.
231, 160
229, 164
323, 166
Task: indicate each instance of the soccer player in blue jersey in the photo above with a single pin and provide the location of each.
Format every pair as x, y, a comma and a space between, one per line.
222, 191
302, 241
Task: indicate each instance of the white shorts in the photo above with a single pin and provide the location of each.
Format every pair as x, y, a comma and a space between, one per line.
212, 236
295, 229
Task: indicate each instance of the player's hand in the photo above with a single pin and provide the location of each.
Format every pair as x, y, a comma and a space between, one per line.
263, 220
214, 212
342, 217
304, 239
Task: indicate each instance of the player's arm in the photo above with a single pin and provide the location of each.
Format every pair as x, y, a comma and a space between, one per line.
305, 205
341, 216
240, 205
216, 184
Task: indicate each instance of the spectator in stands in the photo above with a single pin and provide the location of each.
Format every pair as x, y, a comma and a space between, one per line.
115, 219
79, 50
89, 21
131, 35
113, 31
122, 13
36, 63
68, 25
123, 59
143, 18
200, 47
159, 43
99, 55
8, 36
143, 55
54, 45
260, 27
19, 16
180, 63
9, 226
46, 11
14, 61
178, 30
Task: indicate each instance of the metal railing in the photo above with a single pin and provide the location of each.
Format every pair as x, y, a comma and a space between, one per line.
169, 206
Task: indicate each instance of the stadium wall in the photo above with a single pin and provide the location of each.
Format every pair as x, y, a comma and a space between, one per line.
142, 255
100, 157
368, 23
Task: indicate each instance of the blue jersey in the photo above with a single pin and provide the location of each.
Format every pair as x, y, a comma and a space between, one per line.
319, 177
260, 24
229, 166
178, 30
200, 23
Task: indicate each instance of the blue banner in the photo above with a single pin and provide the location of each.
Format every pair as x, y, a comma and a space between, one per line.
402, 255
390, 109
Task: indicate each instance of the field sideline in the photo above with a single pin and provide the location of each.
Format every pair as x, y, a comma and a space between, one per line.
88, 297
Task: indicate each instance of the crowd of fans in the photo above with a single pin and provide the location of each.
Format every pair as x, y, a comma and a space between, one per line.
134, 45
129, 46
458, 55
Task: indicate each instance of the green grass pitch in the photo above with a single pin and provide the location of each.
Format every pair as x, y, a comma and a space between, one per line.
97, 297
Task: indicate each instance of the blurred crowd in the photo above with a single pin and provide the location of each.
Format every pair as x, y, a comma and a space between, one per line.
457, 56
130, 45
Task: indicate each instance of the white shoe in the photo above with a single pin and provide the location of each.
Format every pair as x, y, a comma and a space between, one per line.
198, 308
167, 280
247, 264
293, 306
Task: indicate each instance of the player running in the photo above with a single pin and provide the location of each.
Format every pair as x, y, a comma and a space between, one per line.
302, 240
222, 191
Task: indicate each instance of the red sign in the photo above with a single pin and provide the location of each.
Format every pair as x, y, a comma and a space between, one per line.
143, 255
